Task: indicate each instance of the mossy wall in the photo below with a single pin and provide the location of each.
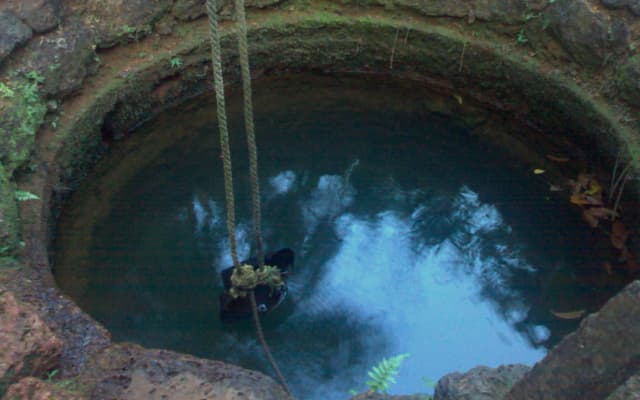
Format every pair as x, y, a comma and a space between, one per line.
8, 216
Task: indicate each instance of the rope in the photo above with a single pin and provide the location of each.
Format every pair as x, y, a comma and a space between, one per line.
267, 352
216, 60
253, 154
243, 51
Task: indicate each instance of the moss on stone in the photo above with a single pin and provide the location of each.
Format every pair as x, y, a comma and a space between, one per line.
9, 222
22, 111
317, 38
628, 80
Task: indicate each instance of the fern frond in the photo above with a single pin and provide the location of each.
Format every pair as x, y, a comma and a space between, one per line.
383, 375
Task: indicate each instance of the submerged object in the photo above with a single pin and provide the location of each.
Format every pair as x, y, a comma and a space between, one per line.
234, 307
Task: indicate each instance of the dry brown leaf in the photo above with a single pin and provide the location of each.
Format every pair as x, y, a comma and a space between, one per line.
619, 235
601, 212
583, 181
591, 220
578, 199
569, 314
608, 267
557, 159
584, 200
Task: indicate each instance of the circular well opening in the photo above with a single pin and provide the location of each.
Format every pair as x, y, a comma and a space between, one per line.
412, 233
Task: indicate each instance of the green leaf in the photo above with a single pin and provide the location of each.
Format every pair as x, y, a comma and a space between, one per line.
383, 375
22, 195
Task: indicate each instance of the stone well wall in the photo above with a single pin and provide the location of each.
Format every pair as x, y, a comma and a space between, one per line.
77, 75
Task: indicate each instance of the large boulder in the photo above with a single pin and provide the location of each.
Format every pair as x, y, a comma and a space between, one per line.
593, 361
14, 33
630, 390
36, 389
589, 36
40, 15
8, 216
480, 383
189, 9
192, 9
130, 372
27, 345
123, 20
63, 58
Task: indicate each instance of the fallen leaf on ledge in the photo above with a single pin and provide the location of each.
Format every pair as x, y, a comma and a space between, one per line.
584, 200
569, 314
619, 235
557, 159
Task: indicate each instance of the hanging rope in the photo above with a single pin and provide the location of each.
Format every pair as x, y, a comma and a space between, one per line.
216, 60
253, 154
243, 51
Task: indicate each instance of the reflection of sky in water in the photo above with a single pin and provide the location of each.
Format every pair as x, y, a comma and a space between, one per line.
411, 236
406, 295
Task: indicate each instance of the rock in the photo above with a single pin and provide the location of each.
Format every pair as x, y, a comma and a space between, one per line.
81, 335
14, 34
131, 372
41, 15
123, 21
125, 115
8, 216
586, 34
504, 11
593, 361
63, 58
36, 389
615, 3
480, 383
21, 113
628, 80
381, 396
190, 9
633, 5
630, 390
27, 345
261, 3
193, 9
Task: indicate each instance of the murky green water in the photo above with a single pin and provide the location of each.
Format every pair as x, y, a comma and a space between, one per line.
434, 245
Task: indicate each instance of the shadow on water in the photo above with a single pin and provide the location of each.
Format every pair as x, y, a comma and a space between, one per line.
412, 236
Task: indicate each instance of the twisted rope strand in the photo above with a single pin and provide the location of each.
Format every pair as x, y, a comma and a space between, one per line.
216, 60
243, 51
253, 155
